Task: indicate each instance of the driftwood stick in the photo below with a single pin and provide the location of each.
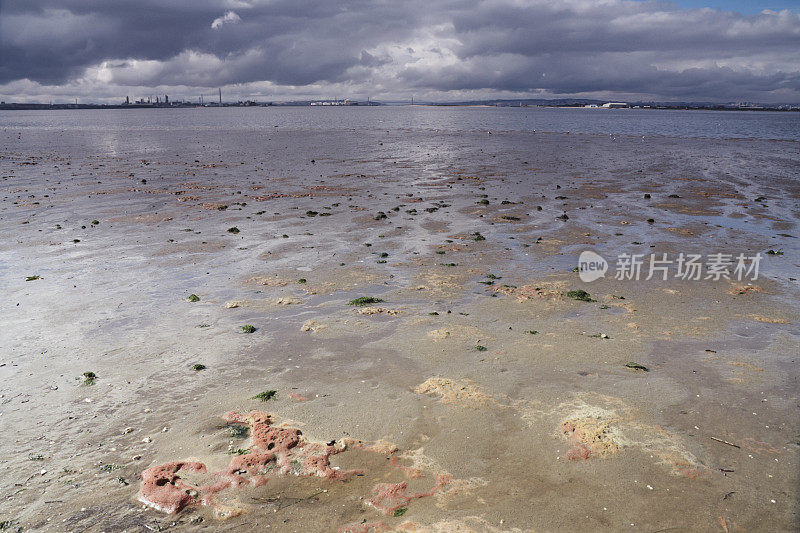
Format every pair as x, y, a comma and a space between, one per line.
725, 442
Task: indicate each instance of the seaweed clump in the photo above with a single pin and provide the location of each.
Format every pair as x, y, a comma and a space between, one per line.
580, 295
265, 396
364, 300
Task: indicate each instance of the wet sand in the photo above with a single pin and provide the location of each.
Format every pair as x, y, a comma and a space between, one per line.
474, 396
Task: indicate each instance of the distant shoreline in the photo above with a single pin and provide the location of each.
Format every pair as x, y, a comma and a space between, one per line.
62, 107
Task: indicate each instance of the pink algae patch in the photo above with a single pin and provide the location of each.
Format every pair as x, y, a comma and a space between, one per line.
297, 397
164, 488
761, 448
588, 436
389, 497
274, 451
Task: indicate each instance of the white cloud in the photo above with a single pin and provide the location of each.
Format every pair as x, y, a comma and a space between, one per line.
228, 18
390, 50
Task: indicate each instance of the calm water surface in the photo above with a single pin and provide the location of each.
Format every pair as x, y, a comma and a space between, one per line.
672, 123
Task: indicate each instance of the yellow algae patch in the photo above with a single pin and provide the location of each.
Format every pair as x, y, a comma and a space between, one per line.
464, 393
371, 310
287, 300
768, 319
261, 304
420, 461
597, 425
212, 206
740, 376
682, 231
382, 446
545, 290
741, 288
592, 431
230, 510
310, 325
268, 281
748, 366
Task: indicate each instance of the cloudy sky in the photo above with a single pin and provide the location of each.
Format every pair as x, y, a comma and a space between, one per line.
442, 50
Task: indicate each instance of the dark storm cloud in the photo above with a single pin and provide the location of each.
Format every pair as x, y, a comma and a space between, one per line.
299, 41
518, 46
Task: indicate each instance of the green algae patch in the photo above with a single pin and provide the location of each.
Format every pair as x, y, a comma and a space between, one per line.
265, 396
580, 295
364, 300
89, 378
233, 230
637, 366
193, 298
197, 367
238, 432
247, 328
239, 451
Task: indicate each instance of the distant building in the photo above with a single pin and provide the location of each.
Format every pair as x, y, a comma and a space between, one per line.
608, 105
334, 102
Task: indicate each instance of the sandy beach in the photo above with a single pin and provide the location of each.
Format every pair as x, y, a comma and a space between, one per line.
472, 388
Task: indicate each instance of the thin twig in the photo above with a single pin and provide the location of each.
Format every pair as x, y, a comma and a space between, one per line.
725, 442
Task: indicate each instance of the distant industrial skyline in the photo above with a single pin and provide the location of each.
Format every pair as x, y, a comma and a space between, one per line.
452, 50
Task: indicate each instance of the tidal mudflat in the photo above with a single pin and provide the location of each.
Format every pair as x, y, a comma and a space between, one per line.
383, 330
